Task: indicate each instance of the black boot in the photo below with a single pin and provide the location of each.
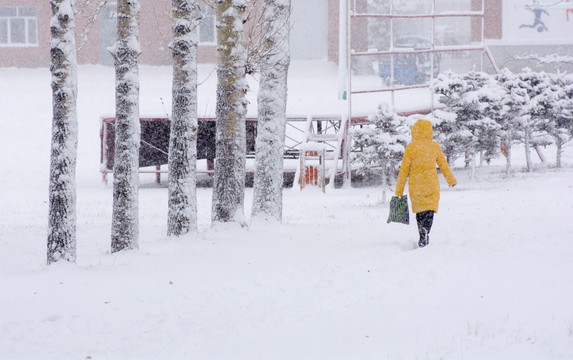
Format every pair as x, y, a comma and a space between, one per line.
424, 237
425, 220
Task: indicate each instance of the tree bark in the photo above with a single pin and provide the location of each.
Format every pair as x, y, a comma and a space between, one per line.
182, 203
527, 134
559, 144
272, 97
125, 222
508, 151
231, 108
62, 189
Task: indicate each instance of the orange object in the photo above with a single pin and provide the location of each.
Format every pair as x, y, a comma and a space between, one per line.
503, 148
311, 175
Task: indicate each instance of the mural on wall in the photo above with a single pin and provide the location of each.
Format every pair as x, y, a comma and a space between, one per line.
538, 10
531, 20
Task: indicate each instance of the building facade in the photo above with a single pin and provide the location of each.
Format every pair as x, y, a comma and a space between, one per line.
530, 33
513, 29
25, 32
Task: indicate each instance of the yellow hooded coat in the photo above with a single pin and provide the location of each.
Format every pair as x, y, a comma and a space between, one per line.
419, 163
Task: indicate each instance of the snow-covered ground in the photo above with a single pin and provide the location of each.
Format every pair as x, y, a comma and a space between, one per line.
334, 281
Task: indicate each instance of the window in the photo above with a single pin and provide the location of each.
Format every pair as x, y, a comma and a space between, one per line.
207, 26
18, 26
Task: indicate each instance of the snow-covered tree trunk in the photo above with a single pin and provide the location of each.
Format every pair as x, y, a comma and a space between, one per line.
527, 138
507, 142
125, 222
472, 166
386, 186
559, 144
62, 189
231, 109
182, 212
271, 99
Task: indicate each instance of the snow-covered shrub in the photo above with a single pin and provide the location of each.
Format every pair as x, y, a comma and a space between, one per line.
554, 110
536, 84
381, 146
516, 99
482, 112
466, 125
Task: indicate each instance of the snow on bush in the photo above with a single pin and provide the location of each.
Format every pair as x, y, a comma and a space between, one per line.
482, 114
381, 145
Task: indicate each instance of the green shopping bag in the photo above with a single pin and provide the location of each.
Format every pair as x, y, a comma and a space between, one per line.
399, 211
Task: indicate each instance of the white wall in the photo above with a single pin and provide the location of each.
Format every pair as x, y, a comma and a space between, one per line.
518, 16
309, 32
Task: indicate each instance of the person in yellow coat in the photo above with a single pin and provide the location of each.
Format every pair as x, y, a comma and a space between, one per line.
419, 165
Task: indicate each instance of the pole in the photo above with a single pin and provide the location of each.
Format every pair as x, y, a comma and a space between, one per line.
392, 56
482, 32
347, 176
342, 50
433, 54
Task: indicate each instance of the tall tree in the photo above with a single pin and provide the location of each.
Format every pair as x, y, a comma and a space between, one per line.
125, 222
182, 213
534, 84
62, 189
516, 99
473, 98
272, 97
555, 111
457, 93
231, 109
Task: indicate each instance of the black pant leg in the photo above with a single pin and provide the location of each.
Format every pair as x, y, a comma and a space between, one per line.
425, 220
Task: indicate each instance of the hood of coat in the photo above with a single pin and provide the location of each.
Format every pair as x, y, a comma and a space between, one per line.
422, 130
